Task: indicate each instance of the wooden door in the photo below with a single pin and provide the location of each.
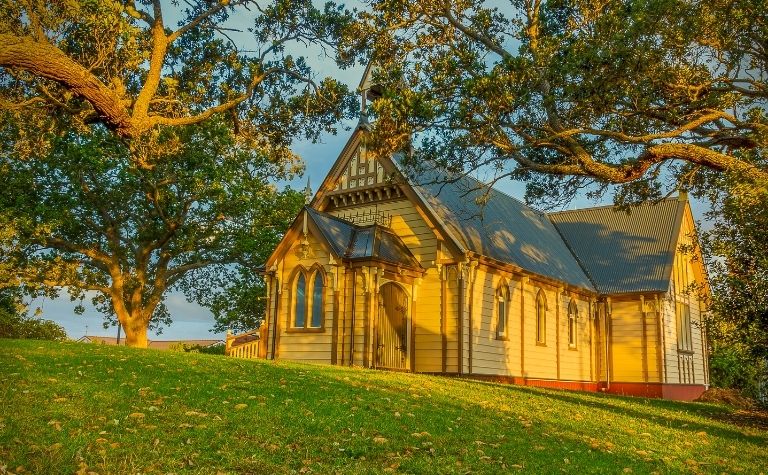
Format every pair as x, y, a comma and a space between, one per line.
392, 328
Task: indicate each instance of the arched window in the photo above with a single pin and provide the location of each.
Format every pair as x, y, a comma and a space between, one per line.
300, 302
502, 308
317, 300
573, 316
308, 300
541, 318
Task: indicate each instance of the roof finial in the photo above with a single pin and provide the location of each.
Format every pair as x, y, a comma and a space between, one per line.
307, 193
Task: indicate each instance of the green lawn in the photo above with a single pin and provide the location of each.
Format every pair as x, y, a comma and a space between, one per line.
68, 407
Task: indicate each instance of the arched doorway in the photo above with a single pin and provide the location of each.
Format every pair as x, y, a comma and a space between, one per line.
392, 328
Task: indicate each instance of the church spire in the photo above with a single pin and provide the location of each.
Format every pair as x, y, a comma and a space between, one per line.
369, 91
307, 193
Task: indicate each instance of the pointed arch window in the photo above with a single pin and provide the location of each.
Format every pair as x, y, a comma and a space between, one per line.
300, 301
317, 300
308, 300
502, 310
541, 318
573, 317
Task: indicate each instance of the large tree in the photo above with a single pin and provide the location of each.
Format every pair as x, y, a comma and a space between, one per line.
737, 259
575, 91
84, 217
138, 137
138, 66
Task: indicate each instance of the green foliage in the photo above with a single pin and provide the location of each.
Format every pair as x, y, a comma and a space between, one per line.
136, 152
10, 302
212, 350
737, 258
14, 323
571, 95
84, 217
733, 367
236, 295
253, 80
196, 413
190, 348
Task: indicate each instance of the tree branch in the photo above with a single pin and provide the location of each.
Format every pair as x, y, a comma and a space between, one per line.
48, 61
201, 18
474, 35
156, 61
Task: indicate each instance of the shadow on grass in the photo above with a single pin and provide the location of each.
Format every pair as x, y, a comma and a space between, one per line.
618, 405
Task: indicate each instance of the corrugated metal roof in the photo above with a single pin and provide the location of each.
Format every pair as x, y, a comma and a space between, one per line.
495, 225
624, 252
391, 248
351, 241
338, 232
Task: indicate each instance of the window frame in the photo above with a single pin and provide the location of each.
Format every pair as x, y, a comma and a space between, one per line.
501, 308
541, 318
310, 277
573, 322
683, 306
317, 274
684, 330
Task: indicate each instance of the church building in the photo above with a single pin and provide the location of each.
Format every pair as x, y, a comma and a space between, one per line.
385, 270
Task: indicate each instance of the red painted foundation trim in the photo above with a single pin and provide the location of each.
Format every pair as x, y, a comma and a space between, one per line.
550, 383
679, 392
540, 383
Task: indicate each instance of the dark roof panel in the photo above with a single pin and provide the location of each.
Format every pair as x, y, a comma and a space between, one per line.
338, 232
392, 249
624, 252
351, 241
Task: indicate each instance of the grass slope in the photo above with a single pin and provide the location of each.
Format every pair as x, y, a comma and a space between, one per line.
68, 407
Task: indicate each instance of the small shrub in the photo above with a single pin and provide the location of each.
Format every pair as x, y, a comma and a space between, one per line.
20, 326
187, 348
213, 350
731, 367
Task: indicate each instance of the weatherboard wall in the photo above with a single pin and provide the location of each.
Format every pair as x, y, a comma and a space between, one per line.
427, 323
634, 351
294, 344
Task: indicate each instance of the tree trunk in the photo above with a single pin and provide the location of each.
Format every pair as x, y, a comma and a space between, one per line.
135, 326
136, 334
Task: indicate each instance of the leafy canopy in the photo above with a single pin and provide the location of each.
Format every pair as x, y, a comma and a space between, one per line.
568, 94
85, 217
138, 140
125, 65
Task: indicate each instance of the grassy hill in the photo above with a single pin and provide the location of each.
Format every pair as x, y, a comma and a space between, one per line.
68, 407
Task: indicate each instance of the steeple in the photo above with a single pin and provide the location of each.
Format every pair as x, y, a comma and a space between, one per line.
369, 91
307, 193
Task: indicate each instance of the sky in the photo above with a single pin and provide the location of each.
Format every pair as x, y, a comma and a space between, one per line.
191, 321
